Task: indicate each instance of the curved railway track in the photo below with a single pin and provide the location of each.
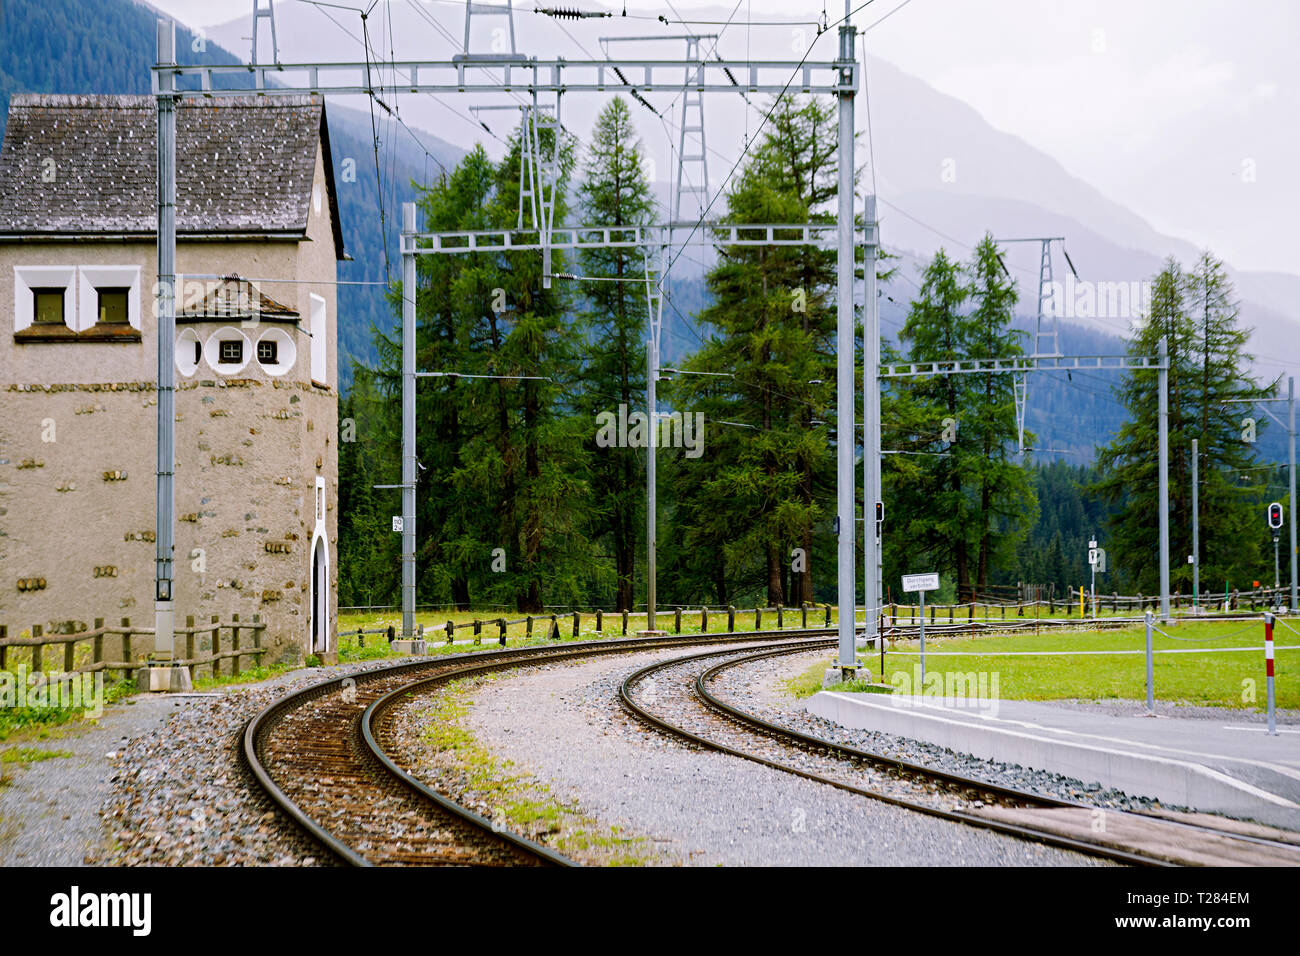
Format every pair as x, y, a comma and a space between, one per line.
318, 754
1126, 837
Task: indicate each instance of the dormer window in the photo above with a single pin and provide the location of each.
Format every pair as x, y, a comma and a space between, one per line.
47, 306
113, 305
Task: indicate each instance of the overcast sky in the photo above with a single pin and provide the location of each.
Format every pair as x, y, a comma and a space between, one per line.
1186, 111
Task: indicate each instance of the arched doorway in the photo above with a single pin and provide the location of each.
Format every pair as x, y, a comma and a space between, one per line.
320, 602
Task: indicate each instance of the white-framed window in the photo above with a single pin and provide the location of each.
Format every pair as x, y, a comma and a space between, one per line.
227, 350
108, 295
189, 352
48, 285
319, 366
276, 352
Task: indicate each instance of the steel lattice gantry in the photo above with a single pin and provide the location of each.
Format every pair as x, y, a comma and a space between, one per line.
504, 75
1021, 364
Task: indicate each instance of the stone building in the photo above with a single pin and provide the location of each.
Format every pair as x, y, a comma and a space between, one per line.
258, 240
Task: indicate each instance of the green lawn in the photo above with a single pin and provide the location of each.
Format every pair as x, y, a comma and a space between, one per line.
376, 645
1234, 680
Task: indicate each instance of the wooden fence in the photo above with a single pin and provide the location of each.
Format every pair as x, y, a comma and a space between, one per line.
125, 639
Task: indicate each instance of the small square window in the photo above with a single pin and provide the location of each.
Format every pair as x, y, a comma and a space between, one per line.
267, 351
48, 306
113, 306
231, 352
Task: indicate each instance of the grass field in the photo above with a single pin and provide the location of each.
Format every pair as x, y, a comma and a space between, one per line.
1048, 667
376, 645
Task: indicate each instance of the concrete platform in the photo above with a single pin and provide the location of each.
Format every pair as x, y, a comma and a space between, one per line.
1217, 763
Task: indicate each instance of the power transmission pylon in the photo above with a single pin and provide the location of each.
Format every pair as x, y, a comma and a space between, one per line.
1047, 324
488, 10
692, 122
267, 13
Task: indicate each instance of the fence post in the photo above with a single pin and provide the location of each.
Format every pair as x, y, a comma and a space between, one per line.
126, 648
501, 639
677, 620
625, 622
216, 644
478, 631
234, 644
600, 621
780, 617
704, 620
803, 615
555, 628
828, 615
96, 647
577, 623
949, 613
731, 618
189, 644
257, 639
758, 618
37, 649
69, 654
528, 631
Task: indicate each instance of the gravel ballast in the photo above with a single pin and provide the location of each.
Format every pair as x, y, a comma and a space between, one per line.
563, 724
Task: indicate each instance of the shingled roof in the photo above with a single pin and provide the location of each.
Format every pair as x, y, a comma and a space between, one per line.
236, 298
244, 165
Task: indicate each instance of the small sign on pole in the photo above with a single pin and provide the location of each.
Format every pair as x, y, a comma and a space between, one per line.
397, 522
921, 583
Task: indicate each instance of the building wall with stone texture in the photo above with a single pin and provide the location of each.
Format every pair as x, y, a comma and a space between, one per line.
78, 455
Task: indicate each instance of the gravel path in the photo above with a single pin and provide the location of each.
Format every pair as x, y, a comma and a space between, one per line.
49, 810
563, 724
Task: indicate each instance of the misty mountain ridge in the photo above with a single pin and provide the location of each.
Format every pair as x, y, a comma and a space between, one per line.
944, 175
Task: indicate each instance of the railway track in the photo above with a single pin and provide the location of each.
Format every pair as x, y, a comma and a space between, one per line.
319, 755
702, 717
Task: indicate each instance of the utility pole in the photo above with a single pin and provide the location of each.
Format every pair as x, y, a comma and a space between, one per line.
1196, 524
1164, 478
844, 383
164, 606
871, 527
1290, 400
408, 421
652, 440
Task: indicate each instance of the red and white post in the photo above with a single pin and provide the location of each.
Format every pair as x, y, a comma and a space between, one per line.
1268, 671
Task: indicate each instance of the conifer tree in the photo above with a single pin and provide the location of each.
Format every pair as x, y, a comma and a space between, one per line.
615, 192
1208, 375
